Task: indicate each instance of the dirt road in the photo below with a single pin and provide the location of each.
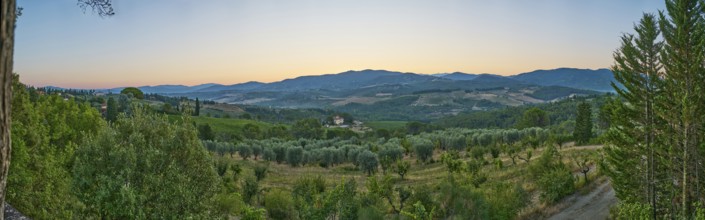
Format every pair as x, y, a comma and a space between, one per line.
593, 206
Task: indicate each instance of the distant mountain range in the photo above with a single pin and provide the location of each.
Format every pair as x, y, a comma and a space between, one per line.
596, 80
388, 95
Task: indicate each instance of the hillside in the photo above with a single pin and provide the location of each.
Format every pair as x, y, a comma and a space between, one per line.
597, 80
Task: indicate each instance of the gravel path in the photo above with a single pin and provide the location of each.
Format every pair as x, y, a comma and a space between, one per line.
593, 206
12, 213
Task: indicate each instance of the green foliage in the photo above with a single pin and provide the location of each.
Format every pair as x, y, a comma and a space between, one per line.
228, 204
626, 210
46, 130
309, 128
506, 200
556, 184
385, 189
313, 202
452, 161
244, 151
279, 204
134, 92
145, 167
111, 112
260, 172
250, 189
402, 167
251, 213
551, 176
458, 201
655, 141
294, 156
197, 111
419, 212
534, 117
368, 162
583, 124
205, 132
371, 213
221, 166
423, 149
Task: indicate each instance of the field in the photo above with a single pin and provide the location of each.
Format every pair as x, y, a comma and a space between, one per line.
389, 125
225, 125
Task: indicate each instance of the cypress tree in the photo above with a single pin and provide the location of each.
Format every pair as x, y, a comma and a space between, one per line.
112, 110
198, 108
583, 124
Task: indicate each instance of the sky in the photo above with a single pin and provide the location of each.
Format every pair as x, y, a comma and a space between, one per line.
191, 42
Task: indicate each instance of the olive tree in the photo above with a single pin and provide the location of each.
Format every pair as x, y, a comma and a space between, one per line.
368, 162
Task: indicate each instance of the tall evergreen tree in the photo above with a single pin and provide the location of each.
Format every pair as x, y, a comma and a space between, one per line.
637, 68
112, 110
682, 104
198, 108
583, 124
656, 143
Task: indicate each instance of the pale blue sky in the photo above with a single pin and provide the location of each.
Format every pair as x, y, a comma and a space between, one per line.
150, 42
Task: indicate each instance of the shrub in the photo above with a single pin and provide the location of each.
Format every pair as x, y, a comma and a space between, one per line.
278, 204
260, 172
556, 184
506, 200
250, 189
402, 167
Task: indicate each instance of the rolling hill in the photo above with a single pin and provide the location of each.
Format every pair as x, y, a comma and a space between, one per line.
598, 80
389, 95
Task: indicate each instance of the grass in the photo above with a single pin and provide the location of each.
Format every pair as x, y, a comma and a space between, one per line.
388, 125
227, 125
429, 175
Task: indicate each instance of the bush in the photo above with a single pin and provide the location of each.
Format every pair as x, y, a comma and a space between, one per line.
251, 213
228, 204
250, 189
145, 156
556, 184
402, 168
370, 213
506, 200
260, 172
307, 187
278, 204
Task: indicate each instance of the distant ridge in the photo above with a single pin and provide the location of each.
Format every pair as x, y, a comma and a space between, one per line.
587, 79
597, 80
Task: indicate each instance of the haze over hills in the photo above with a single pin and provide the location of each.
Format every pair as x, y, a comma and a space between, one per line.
389, 95
597, 80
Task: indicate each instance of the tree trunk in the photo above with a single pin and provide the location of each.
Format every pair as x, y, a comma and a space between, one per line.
7, 38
